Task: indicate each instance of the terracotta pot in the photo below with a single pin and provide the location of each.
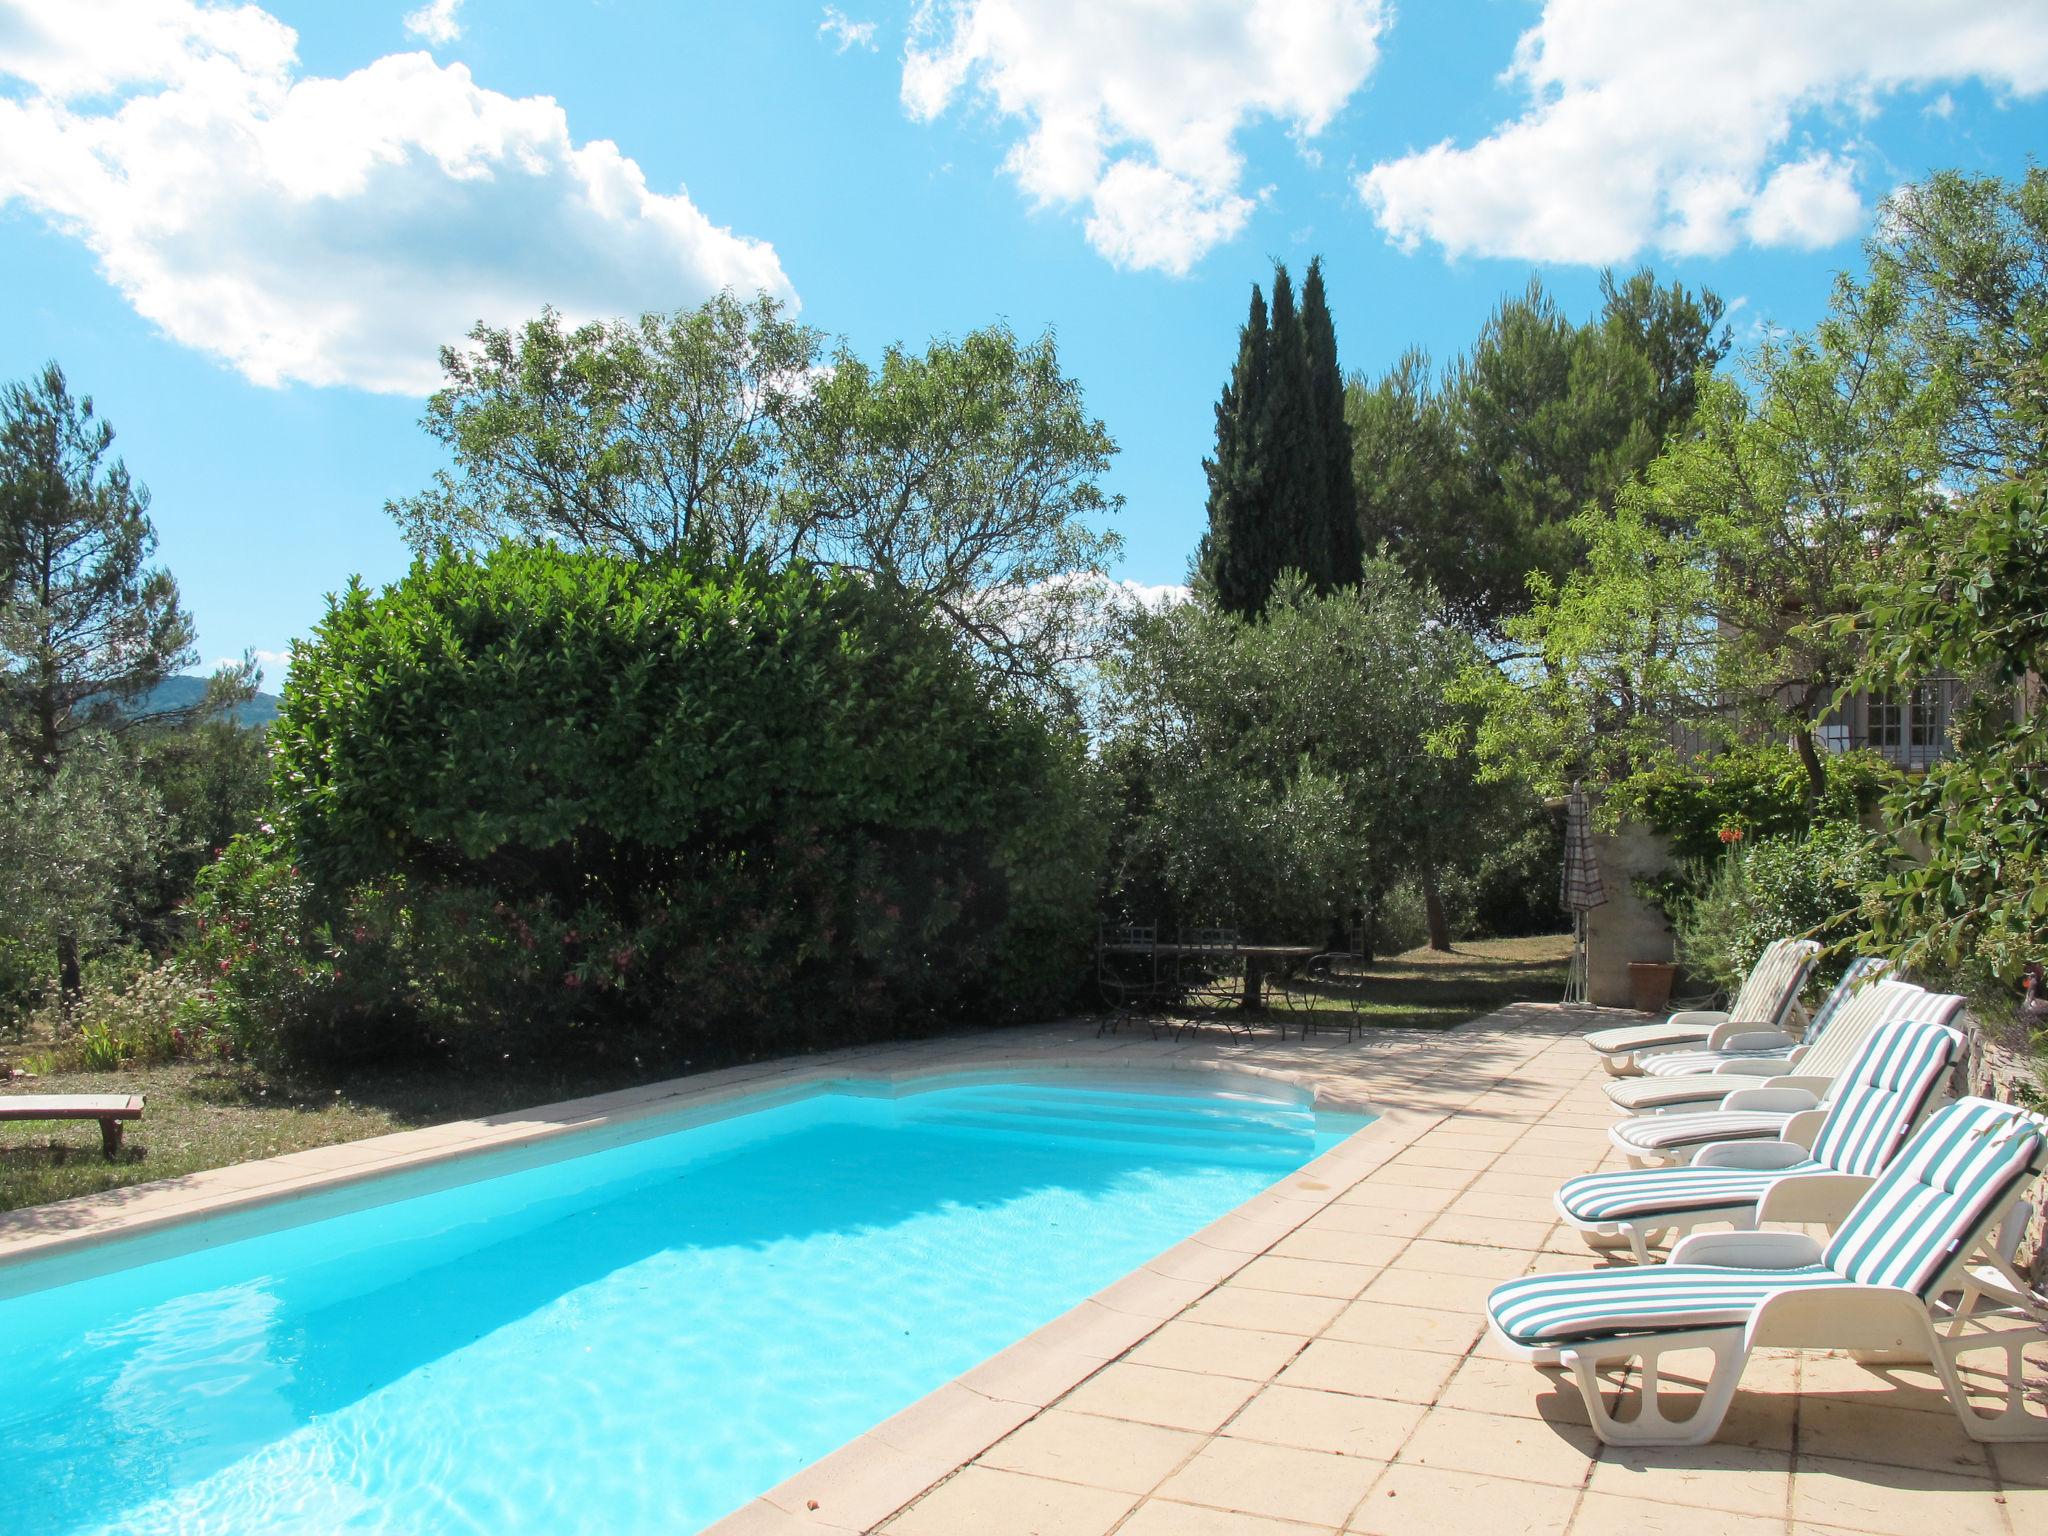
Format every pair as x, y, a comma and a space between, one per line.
1649, 983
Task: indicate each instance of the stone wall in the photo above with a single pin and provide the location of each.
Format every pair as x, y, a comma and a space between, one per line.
1627, 927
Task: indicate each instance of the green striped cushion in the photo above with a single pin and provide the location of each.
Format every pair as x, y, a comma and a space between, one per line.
1958, 1172
1602, 1303
1642, 1192
1698, 1128
1862, 973
1774, 983
1883, 1092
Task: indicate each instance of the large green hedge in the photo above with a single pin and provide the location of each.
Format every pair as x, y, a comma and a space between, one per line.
718, 811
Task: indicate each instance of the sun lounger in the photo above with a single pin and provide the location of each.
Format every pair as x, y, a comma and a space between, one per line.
1821, 1055
110, 1109
1928, 1229
1766, 1001
1761, 1112
1831, 1155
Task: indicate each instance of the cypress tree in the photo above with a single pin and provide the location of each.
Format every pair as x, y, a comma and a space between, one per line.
1234, 558
1344, 561
1290, 452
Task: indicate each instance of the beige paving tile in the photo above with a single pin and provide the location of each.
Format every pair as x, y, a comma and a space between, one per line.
1376, 1219
1423, 1176
1398, 1197
1486, 1384
1371, 1370
1284, 1482
1334, 1246
1245, 1306
1150, 1394
1537, 1209
1525, 1449
1894, 1501
1432, 1501
1163, 1517
1337, 1422
1852, 1430
1306, 1277
2022, 1462
989, 1502
1100, 1452
1379, 1322
1241, 1352
1601, 1514
1422, 1288
1444, 1157
1490, 1231
1482, 1260
1733, 1478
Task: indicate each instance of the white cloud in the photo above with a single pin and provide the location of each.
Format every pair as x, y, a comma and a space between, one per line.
436, 21
1133, 108
330, 231
1674, 125
845, 31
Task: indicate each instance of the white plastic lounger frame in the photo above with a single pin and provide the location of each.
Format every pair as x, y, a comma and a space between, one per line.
1815, 1173
1929, 1228
1768, 997
1763, 1111
1819, 1060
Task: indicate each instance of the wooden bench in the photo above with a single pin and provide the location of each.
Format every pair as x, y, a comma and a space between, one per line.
110, 1109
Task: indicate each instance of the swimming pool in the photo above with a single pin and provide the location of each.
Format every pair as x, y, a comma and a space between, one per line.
633, 1338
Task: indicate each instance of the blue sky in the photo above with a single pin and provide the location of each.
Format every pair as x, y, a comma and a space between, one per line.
244, 231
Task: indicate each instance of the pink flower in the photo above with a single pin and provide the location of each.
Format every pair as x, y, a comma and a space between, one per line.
572, 981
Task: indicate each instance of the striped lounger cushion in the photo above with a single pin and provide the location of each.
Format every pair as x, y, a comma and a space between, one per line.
1881, 1094
1556, 1309
1766, 998
1682, 1132
1705, 1090
1598, 1197
1861, 973
1957, 1173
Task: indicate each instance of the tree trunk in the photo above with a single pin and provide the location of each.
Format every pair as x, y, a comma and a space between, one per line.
70, 985
1816, 767
1433, 907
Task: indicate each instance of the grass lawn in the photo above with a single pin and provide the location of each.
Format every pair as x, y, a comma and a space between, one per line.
207, 1115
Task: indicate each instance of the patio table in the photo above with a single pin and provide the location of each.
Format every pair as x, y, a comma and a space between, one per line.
1258, 960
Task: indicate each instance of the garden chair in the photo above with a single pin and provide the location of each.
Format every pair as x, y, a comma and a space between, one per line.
1929, 1228
1127, 973
1836, 1034
1767, 999
1830, 1155
1762, 1112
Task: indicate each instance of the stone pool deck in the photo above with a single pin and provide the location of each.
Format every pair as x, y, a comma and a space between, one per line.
1314, 1363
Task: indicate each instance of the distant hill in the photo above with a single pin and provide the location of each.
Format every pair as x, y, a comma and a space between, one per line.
182, 692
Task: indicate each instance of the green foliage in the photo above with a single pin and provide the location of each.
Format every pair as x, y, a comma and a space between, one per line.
1473, 482
1759, 790
75, 849
1811, 886
1280, 492
86, 624
1973, 603
1283, 776
965, 477
697, 809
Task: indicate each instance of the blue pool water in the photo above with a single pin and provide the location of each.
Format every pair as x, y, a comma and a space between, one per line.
633, 1339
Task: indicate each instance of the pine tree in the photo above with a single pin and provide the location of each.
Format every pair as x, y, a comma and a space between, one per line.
1234, 559
87, 625
1345, 560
